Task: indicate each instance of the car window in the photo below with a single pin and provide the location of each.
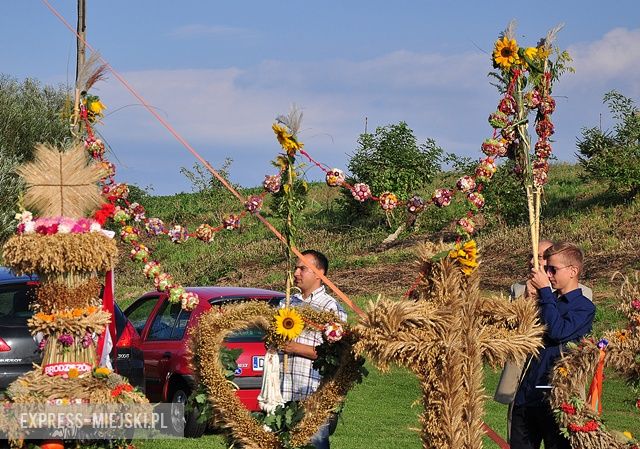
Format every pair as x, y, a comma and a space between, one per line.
14, 301
140, 311
170, 322
251, 334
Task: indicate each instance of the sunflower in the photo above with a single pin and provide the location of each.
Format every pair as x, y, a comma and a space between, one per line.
289, 323
286, 139
505, 53
467, 256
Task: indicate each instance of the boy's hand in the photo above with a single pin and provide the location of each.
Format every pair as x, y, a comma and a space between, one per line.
539, 279
530, 291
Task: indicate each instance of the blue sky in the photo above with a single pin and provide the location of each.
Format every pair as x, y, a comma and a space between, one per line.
220, 72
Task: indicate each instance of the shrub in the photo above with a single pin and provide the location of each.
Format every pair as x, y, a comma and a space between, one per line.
614, 156
391, 160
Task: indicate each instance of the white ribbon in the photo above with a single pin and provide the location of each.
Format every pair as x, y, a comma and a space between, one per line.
270, 396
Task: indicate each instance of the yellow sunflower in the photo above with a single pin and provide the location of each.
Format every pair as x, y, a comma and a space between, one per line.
289, 323
467, 256
286, 139
505, 53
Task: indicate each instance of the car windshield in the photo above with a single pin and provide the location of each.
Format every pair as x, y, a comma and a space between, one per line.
14, 302
251, 334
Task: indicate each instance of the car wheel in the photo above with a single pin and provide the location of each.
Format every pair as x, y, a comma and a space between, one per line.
186, 420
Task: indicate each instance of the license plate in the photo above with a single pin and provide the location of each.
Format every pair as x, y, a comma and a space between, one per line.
258, 363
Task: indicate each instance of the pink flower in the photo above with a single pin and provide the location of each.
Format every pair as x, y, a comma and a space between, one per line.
82, 225
442, 197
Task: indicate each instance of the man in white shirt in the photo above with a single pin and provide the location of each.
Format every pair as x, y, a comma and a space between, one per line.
300, 380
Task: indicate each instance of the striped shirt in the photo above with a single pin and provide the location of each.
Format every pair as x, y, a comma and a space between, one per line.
301, 380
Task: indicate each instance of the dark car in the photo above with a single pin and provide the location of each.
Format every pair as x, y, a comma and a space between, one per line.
164, 326
19, 349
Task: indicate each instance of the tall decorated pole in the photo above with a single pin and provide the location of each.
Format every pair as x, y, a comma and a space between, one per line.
526, 76
286, 129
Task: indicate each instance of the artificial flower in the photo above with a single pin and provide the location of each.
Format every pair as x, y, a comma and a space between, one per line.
442, 197
563, 371
361, 192
289, 323
205, 232
467, 256
388, 201
415, 204
335, 177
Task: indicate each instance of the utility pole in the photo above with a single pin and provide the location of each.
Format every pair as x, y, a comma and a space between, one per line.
81, 29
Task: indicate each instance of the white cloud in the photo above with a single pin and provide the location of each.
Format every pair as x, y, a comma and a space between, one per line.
614, 57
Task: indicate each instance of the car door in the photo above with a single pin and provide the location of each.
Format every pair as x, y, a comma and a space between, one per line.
163, 347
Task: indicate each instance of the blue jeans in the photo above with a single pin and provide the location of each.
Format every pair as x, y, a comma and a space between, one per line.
320, 439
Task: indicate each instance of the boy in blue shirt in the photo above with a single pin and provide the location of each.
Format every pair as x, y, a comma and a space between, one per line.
568, 316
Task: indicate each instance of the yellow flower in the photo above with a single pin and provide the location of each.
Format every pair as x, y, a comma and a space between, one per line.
44, 317
543, 52
282, 133
97, 107
622, 335
531, 52
286, 139
466, 254
628, 434
289, 323
73, 373
505, 53
101, 371
77, 312
564, 372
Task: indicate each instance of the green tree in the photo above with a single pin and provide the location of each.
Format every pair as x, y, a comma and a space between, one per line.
391, 159
614, 155
29, 113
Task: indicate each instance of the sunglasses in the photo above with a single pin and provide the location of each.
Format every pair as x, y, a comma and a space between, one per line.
553, 270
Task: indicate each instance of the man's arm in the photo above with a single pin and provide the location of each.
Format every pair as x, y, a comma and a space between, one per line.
300, 349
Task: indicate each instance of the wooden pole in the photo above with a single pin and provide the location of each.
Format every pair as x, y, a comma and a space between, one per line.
81, 30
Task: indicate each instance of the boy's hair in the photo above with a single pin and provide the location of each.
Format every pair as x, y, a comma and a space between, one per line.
571, 254
321, 260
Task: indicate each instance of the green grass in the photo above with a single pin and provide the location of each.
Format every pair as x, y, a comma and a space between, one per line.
382, 413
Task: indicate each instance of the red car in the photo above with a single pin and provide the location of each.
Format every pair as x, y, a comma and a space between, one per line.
163, 329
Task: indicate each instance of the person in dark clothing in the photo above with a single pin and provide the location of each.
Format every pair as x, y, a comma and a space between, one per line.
568, 316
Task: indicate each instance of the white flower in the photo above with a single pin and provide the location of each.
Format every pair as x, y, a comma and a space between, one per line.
64, 228
29, 227
24, 216
95, 227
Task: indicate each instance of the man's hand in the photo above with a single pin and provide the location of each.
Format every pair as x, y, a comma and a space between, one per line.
530, 291
539, 279
306, 351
